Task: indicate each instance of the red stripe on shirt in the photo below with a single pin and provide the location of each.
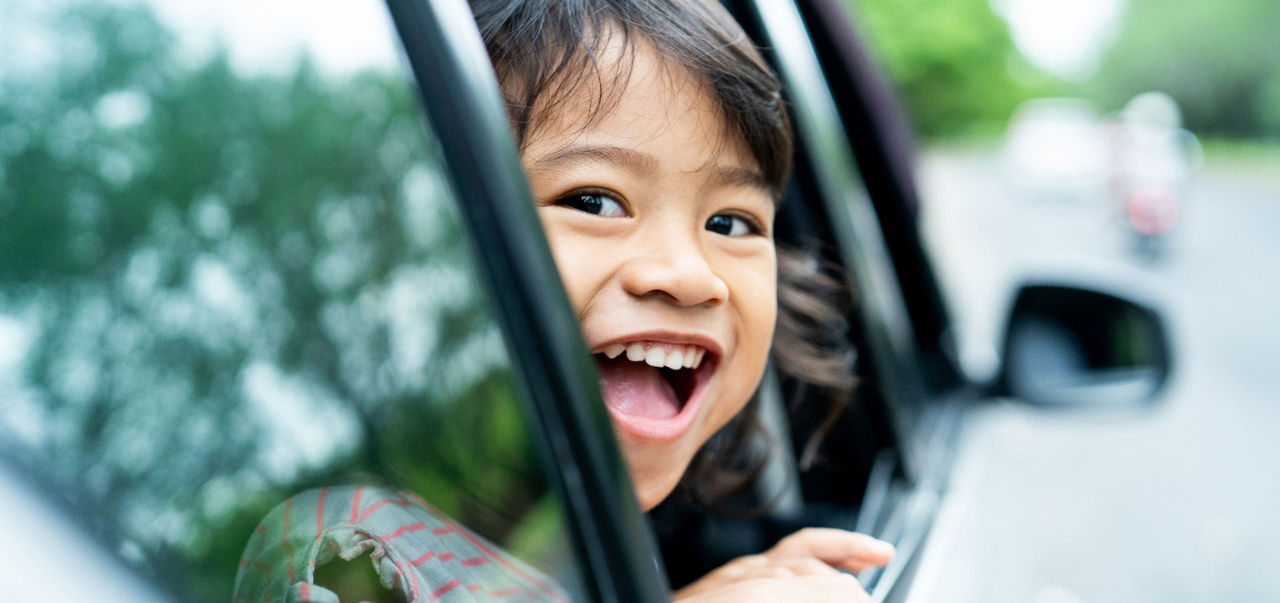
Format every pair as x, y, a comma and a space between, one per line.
382, 503
495, 556
506, 592
355, 505
440, 592
262, 542
474, 561
447, 557
324, 493
413, 581
261, 566
284, 541
423, 559
442, 531
413, 527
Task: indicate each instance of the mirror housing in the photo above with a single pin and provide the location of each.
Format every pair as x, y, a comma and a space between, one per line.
1068, 346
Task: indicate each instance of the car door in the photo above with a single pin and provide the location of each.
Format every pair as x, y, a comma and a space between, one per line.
447, 54
887, 469
895, 466
855, 157
854, 194
239, 269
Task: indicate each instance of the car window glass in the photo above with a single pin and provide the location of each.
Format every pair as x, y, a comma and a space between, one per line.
231, 276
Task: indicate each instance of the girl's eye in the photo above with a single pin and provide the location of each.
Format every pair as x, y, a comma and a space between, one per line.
731, 225
598, 204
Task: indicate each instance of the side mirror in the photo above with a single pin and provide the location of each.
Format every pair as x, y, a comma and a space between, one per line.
1071, 346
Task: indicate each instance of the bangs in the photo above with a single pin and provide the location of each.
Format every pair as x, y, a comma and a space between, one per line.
549, 54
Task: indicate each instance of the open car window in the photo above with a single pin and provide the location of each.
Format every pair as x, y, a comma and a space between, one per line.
238, 311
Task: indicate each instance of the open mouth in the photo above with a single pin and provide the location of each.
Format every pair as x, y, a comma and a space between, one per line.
649, 386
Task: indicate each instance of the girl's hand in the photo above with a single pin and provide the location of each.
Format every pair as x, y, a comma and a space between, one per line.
801, 567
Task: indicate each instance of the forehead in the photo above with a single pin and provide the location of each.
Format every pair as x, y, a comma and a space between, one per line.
631, 95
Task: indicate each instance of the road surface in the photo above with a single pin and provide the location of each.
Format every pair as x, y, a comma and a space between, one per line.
1179, 502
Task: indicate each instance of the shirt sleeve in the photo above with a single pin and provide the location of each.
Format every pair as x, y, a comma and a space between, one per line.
414, 548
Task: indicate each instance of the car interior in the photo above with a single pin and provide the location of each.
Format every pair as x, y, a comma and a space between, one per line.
859, 470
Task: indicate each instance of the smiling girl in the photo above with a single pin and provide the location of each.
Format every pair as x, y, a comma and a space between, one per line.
657, 144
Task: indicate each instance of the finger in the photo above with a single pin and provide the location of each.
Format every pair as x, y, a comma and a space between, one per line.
837, 547
834, 587
805, 566
857, 565
775, 572
745, 567
837, 587
846, 587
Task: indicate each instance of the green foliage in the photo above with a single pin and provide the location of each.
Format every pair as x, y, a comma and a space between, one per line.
248, 266
1219, 60
953, 63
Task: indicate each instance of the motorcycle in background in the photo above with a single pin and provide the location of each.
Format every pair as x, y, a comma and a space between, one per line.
1152, 161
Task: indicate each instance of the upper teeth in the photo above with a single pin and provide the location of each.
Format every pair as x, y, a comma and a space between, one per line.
659, 354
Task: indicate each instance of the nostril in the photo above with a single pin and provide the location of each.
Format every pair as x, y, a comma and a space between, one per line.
685, 279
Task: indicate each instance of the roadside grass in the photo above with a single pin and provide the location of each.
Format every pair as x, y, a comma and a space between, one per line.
1248, 160
1255, 160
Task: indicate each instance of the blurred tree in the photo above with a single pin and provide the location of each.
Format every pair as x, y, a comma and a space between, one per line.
1219, 60
238, 287
953, 62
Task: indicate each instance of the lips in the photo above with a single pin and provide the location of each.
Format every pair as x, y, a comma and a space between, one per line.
653, 389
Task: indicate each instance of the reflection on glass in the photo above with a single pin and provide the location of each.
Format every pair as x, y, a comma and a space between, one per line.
230, 272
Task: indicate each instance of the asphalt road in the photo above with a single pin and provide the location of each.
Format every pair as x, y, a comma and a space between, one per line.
1176, 502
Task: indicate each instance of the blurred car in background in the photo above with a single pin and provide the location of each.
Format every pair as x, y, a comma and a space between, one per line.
1057, 149
1136, 163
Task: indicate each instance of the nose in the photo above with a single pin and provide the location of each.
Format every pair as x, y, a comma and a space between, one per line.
674, 266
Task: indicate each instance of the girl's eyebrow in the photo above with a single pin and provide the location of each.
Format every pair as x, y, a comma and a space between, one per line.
644, 164
632, 159
740, 176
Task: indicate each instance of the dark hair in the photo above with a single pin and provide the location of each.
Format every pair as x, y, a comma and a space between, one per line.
811, 347
545, 54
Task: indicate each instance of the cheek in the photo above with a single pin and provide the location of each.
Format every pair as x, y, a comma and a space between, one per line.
576, 257
757, 301
768, 312
755, 310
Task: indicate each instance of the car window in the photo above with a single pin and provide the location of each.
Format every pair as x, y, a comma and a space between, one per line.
236, 302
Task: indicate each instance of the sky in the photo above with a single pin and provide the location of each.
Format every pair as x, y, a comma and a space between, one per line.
340, 36
1065, 37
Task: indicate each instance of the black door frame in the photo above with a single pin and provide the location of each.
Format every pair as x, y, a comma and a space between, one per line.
459, 91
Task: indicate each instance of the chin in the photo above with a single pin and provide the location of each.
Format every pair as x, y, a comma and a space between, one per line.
652, 481
651, 495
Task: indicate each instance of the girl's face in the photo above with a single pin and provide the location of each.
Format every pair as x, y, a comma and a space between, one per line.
661, 228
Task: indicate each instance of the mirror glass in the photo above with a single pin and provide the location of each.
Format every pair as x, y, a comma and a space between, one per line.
1068, 346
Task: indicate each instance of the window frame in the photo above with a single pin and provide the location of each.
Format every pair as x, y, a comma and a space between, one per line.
613, 541
907, 481
553, 371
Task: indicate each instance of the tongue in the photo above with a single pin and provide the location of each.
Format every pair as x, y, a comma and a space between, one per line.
636, 389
